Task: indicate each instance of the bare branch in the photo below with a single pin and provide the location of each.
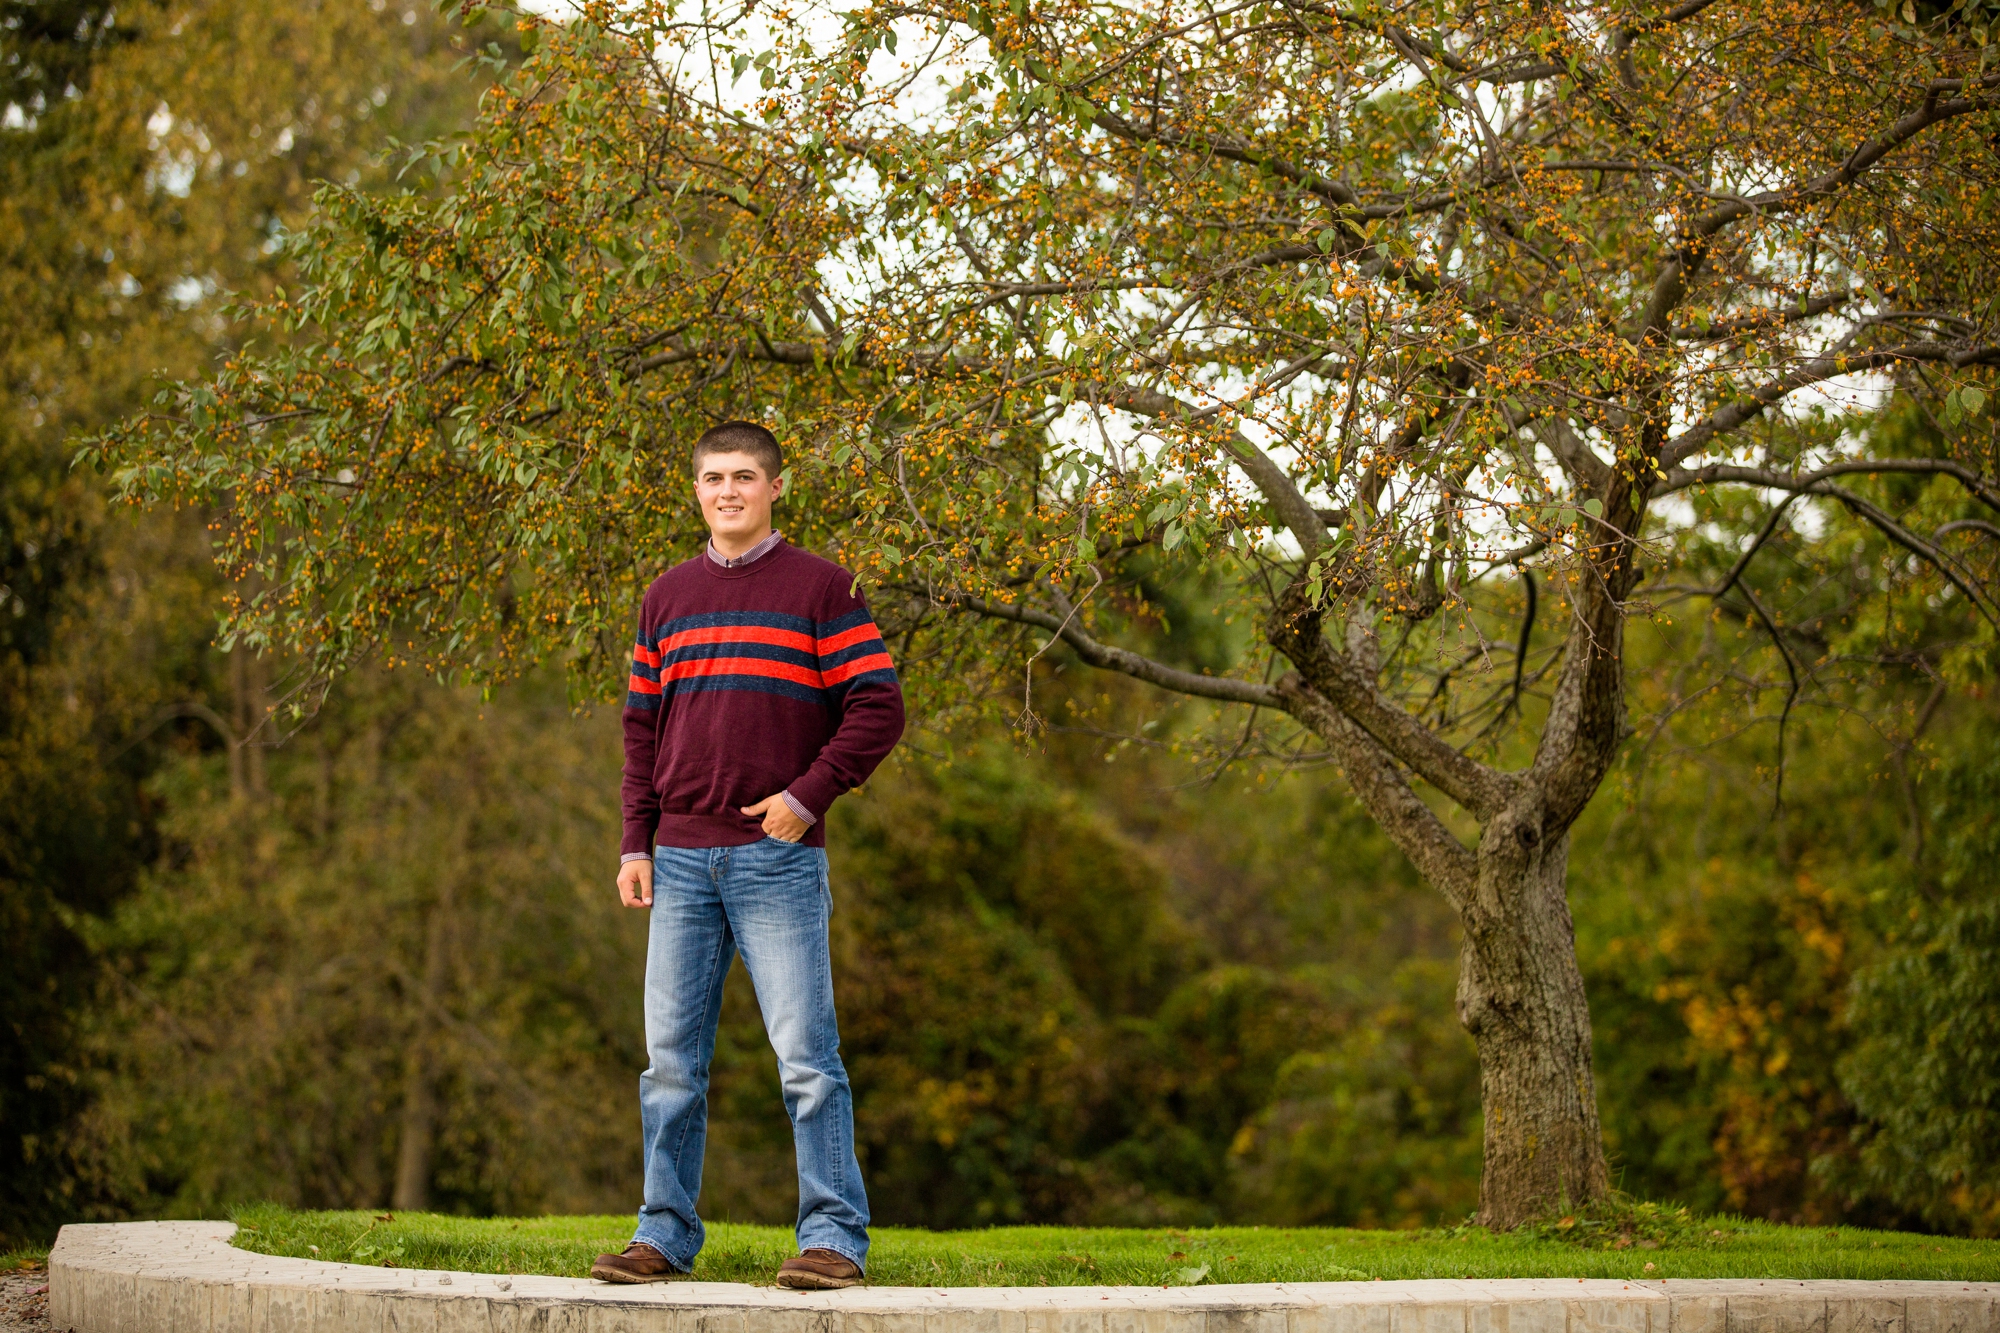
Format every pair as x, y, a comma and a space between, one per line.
1982, 600
1681, 479
1590, 472
1112, 658
1821, 368
1791, 695
1381, 787
1513, 703
1345, 682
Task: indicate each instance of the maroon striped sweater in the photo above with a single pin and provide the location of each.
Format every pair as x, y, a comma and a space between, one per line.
746, 682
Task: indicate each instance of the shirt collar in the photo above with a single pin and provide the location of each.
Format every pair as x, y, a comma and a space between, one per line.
751, 556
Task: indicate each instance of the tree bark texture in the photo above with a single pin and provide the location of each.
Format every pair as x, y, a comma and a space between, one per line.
1520, 995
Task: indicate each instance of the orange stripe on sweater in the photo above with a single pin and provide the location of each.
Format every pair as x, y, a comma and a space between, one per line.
742, 666
782, 638
833, 643
848, 670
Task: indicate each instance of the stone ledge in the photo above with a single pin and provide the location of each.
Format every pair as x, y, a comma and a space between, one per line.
185, 1277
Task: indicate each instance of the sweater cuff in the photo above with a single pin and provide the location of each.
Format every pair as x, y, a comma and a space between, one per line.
624, 857
637, 840
816, 791
797, 807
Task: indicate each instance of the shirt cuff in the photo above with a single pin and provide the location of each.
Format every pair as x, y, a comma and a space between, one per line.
634, 856
798, 808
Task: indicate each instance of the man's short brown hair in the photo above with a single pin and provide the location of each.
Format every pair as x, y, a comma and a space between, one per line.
742, 437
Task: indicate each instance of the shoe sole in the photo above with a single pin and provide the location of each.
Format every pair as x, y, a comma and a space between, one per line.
815, 1282
634, 1279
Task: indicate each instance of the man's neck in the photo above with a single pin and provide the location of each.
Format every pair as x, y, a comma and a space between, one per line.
736, 547
757, 553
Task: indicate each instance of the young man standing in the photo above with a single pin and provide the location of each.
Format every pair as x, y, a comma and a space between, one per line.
761, 690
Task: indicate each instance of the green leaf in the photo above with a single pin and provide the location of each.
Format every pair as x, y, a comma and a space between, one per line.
1973, 399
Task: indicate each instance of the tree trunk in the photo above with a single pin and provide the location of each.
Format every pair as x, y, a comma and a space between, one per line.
1520, 992
418, 1131
419, 1125
1520, 995
246, 759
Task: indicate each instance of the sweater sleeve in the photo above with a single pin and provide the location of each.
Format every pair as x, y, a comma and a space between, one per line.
855, 668
643, 704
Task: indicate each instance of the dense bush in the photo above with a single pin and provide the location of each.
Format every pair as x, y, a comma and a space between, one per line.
1924, 1073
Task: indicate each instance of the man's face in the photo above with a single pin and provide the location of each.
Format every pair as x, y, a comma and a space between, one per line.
735, 495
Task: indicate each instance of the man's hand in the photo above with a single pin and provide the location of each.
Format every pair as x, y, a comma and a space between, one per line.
779, 821
635, 883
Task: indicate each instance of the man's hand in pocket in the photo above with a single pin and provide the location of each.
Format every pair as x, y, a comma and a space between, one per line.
779, 821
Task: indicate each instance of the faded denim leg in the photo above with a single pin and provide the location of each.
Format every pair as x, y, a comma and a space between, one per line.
688, 951
779, 904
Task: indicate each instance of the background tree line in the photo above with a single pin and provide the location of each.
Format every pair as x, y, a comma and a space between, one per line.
1103, 976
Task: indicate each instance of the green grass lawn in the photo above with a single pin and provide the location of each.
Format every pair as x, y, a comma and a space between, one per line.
1640, 1242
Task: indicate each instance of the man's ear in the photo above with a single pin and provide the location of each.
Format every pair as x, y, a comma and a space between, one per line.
778, 486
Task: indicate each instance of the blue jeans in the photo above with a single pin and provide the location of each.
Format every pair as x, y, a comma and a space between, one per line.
770, 901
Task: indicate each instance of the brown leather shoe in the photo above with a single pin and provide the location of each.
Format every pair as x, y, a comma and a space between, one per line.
639, 1263
819, 1270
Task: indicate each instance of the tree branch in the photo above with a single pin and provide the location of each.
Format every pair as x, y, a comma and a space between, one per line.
1441, 858
1935, 109
1342, 680
1724, 330
1691, 248
1112, 658
1683, 478
1586, 715
1745, 409
1791, 695
1982, 601
1286, 501
1680, 13
1574, 453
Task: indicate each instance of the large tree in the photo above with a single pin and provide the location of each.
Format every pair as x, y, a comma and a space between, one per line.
1377, 314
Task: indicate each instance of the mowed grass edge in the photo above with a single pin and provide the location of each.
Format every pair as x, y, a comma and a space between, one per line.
1158, 1256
